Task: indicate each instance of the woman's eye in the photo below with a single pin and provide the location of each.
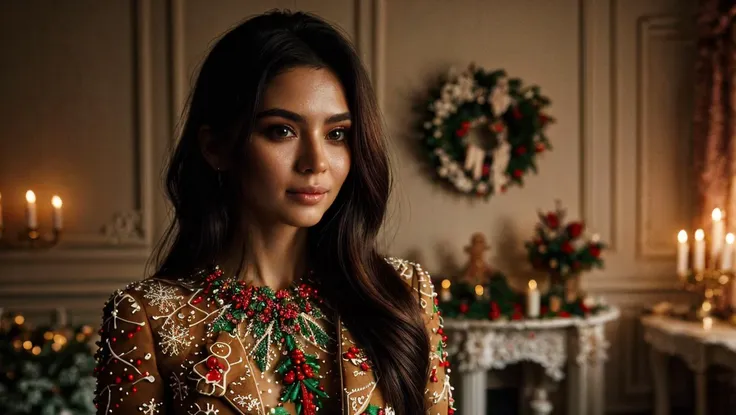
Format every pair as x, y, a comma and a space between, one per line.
279, 132
337, 135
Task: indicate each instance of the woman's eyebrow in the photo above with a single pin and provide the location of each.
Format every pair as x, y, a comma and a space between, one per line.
290, 115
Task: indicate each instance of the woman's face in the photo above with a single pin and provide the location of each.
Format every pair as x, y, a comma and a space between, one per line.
298, 157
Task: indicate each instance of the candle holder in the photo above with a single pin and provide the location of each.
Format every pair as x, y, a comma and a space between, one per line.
31, 238
709, 285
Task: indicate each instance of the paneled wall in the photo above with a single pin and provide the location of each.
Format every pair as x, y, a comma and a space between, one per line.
91, 92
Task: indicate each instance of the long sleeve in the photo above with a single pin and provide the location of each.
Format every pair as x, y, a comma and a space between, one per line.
438, 393
127, 376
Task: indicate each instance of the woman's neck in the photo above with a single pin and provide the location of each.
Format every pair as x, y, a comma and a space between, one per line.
274, 256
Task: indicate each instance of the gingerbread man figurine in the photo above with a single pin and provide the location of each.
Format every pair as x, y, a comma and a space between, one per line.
477, 271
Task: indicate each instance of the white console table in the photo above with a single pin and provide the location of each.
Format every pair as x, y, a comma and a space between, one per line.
697, 346
480, 346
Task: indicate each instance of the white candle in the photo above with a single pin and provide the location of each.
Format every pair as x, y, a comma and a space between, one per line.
31, 218
699, 257
56, 218
707, 323
727, 254
445, 294
683, 250
533, 300
716, 245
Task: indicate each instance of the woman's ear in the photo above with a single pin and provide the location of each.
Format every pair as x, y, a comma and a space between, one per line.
211, 150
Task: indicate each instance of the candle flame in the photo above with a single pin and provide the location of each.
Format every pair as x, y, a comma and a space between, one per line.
446, 284
682, 236
699, 235
479, 290
56, 201
532, 285
30, 197
730, 238
716, 215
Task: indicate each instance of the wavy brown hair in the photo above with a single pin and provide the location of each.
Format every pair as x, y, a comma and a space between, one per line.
382, 314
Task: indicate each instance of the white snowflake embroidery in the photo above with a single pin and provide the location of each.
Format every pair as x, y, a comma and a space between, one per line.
174, 339
249, 402
181, 389
209, 410
163, 296
150, 408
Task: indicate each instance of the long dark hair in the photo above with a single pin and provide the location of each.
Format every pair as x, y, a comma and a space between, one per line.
382, 314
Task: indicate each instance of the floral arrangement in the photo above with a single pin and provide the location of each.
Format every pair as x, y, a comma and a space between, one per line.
561, 249
45, 370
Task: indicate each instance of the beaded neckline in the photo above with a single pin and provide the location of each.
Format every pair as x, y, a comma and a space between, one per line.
285, 318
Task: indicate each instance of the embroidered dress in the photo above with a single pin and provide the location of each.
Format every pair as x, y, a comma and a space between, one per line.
220, 346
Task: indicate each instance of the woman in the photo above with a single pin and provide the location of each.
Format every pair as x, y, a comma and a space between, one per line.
270, 297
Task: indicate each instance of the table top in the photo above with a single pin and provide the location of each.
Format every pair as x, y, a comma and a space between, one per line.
721, 333
603, 317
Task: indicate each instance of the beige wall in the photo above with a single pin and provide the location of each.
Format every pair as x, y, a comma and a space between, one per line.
90, 91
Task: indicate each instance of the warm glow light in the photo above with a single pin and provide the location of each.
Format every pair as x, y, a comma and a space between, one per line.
30, 197
48, 335
56, 347
58, 338
682, 236
27, 345
56, 201
707, 306
80, 337
532, 285
716, 215
87, 330
19, 320
36, 350
699, 235
446, 284
479, 290
730, 238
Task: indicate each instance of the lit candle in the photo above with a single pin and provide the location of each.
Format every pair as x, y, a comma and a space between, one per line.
31, 219
716, 245
683, 250
479, 291
727, 254
445, 294
56, 218
699, 260
707, 323
533, 300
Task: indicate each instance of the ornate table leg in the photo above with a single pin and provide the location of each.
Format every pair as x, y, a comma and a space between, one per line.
577, 366
597, 379
661, 382
473, 392
701, 393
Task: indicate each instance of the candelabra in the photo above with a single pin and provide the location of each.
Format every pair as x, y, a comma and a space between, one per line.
30, 238
709, 285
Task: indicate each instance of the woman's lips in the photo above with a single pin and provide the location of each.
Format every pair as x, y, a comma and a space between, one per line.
307, 195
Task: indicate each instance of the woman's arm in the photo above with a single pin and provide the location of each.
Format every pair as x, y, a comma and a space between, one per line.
438, 393
127, 376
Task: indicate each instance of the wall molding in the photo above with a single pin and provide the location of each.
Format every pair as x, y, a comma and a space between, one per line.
651, 28
598, 119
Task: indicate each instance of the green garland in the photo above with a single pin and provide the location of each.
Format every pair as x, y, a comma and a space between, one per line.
500, 302
45, 370
513, 122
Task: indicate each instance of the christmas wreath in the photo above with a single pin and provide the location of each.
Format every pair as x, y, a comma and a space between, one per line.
509, 118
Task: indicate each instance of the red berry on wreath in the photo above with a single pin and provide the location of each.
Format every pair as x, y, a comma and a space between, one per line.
486, 169
575, 229
543, 119
464, 308
517, 114
517, 173
539, 147
520, 151
498, 127
465, 125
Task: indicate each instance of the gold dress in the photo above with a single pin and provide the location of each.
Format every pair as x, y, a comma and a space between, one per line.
218, 348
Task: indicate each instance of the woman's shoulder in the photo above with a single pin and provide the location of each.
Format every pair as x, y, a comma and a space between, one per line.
418, 279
